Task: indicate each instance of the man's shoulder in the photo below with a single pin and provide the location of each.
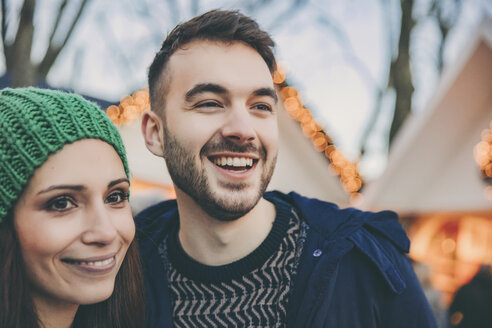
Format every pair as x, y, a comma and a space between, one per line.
334, 223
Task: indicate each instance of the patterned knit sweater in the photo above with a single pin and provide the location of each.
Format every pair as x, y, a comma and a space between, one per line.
251, 292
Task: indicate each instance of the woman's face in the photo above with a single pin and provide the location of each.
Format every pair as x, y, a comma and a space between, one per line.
74, 224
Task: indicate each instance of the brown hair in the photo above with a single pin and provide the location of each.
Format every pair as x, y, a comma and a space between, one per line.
215, 25
124, 309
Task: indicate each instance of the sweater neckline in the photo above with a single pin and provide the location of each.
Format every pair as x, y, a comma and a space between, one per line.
199, 272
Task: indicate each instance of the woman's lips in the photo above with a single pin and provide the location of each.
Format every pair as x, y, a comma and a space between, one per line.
93, 265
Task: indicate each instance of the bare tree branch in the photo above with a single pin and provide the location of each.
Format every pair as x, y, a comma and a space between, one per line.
378, 103
54, 50
349, 52
445, 24
120, 56
4, 25
195, 7
381, 92
59, 15
282, 18
174, 9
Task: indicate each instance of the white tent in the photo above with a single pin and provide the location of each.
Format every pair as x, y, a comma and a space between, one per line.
431, 165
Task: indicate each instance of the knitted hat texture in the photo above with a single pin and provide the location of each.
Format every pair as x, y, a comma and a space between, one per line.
36, 123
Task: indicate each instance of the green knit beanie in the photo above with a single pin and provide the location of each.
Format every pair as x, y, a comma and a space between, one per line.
34, 124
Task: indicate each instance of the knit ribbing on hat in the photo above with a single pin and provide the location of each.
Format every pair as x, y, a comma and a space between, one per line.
36, 123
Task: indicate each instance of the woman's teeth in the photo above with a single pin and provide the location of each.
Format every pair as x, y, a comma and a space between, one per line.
233, 161
93, 263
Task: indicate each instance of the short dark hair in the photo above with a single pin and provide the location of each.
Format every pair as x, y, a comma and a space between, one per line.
215, 25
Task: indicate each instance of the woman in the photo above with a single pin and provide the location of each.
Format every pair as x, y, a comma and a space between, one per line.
67, 256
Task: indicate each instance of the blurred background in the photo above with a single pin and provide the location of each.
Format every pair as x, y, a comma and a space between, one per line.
387, 104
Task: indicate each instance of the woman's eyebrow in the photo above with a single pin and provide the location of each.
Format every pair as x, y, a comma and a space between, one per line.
62, 187
117, 181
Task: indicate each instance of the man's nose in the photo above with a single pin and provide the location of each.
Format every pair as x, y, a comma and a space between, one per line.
99, 226
239, 126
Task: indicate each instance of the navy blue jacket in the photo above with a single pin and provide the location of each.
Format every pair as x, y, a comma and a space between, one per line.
353, 270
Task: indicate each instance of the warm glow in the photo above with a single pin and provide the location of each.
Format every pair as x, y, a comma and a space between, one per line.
319, 141
287, 92
279, 76
291, 104
456, 318
482, 150
483, 153
139, 186
454, 245
130, 107
448, 245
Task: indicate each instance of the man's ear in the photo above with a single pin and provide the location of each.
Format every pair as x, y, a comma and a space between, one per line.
153, 133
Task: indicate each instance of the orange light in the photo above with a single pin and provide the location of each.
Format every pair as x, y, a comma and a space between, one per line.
481, 152
488, 170
349, 170
287, 92
291, 104
308, 129
126, 100
448, 245
278, 76
131, 113
319, 141
329, 149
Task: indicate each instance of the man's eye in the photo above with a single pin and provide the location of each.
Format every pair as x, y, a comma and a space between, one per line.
208, 104
116, 197
263, 107
61, 204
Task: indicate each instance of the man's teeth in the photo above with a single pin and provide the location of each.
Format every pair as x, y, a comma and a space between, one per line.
233, 161
95, 263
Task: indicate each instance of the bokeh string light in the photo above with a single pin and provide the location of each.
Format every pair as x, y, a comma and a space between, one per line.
132, 106
347, 171
483, 154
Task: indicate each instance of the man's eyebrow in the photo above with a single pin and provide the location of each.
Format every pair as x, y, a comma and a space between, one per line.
62, 187
266, 92
205, 87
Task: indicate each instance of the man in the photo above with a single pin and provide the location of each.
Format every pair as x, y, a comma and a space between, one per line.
227, 254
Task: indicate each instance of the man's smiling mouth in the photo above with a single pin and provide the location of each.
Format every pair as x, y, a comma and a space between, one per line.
234, 163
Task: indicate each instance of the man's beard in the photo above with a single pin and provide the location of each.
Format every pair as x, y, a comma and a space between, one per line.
194, 181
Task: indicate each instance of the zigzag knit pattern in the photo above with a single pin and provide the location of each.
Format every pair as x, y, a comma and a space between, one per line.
34, 124
256, 298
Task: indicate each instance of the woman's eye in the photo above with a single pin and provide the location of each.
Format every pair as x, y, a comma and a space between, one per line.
61, 204
263, 107
116, 197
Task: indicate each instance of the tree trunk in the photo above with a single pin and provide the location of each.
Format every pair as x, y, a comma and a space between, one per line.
400, 74
18, 57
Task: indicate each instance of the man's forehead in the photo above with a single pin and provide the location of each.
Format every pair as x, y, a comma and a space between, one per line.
233, 64
196, 54
204, 45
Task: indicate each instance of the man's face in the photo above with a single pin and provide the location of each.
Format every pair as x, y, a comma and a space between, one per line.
220, 129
